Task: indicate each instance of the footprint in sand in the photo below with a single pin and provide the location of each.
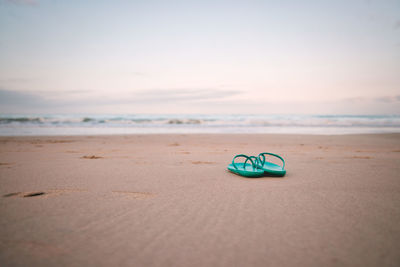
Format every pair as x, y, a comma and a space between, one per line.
59, 141
174, 144
52, 192
49, 141
25, 194
202, 162
135, 195
91, 157
12, 194
34, 194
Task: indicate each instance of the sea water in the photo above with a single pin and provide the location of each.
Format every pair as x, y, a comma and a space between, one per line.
86, 124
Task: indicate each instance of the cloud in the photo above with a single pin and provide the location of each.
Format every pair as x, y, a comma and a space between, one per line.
8, 97
380, 99
157, 95
181, 101
388, 99
16, 80
23, 2
75, 99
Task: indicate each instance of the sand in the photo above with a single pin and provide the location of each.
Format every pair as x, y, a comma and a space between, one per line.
167, 200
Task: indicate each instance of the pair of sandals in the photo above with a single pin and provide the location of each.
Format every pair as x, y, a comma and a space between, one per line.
258, 166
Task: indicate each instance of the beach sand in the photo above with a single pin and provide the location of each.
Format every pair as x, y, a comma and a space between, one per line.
168, 200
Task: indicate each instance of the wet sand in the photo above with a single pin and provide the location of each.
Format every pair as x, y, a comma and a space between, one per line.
167, 200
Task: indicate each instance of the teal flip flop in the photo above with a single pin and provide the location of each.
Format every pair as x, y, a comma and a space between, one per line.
245, 169
270, 168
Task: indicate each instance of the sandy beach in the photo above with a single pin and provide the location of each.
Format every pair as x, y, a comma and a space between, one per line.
168, 200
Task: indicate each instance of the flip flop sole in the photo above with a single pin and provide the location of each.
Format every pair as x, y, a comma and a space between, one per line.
245, 170
272, 169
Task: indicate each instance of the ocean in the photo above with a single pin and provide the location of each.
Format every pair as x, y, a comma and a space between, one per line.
32, 125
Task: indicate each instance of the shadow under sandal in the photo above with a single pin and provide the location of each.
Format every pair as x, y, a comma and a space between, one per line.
271, 169
245, 169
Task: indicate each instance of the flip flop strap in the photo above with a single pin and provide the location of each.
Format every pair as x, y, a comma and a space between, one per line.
254, 158
261, 158
247, 158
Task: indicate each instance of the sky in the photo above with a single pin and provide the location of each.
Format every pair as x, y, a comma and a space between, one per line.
184, 57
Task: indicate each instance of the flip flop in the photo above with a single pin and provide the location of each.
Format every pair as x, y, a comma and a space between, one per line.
270, 168
245, 169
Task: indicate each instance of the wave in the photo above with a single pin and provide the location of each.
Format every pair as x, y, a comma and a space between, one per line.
204, 121
20, 120
188, 121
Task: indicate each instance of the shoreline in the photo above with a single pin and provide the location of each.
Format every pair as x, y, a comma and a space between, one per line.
193, 134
